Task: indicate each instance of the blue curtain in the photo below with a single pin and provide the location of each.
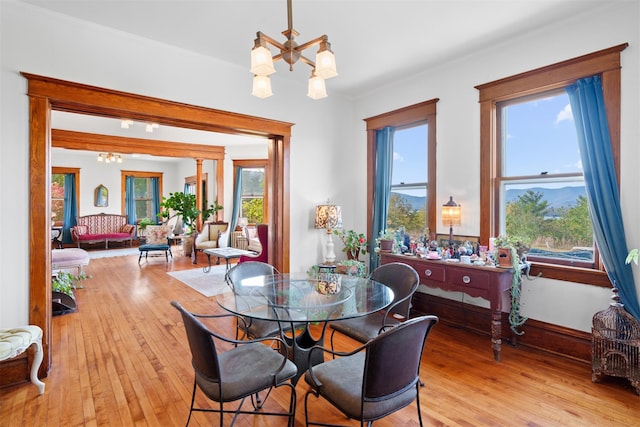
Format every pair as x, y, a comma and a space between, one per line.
237, 199
130, 200
587, 105
382, 191
155, 199
70, 207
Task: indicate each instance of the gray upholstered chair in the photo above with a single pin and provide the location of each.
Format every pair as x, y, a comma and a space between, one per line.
403, 280
243, 371
376, 379
253, 328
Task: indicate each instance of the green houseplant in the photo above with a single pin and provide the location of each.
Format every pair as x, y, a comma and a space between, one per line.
510, 252
184, 205
386, 240
355, 244
62, 285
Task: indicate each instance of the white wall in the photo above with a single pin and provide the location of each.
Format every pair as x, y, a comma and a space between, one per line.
44, 43
458, 134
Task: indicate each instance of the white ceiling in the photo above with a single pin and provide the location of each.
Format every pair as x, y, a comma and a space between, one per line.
375, 42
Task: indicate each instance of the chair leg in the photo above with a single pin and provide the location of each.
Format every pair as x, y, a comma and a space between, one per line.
37, 360
193, 399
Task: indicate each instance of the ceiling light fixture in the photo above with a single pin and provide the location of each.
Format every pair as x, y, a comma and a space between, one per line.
124, 124
109, 158
323, 68
151, 126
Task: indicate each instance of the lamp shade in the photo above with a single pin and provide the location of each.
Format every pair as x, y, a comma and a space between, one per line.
328, 216
261, 61
317, 87
326, 64
451, 213
261, 86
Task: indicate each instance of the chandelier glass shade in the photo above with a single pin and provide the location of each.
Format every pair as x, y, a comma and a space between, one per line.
109, 158
290, 51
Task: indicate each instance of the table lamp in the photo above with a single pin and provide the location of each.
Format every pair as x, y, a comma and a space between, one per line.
451, 216
329, 217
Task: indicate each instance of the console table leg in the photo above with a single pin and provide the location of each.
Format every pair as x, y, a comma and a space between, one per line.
496, 330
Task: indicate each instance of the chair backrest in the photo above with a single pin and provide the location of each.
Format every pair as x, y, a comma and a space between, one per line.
403, 280
247, 270
204, 356
392, 363
263, 236
157, 234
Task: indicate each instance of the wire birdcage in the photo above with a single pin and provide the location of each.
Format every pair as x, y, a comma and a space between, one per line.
616, 344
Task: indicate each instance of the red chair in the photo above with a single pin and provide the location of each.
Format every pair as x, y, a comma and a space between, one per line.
261, 253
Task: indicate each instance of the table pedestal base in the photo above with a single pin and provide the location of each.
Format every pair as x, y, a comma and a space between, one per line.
299, 347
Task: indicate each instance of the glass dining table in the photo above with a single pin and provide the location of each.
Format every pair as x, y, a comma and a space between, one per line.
296, 301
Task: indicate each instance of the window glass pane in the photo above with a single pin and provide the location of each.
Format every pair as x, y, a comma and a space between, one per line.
554, 215
252, 206
535, 128
408, 201
57, 197
143, 193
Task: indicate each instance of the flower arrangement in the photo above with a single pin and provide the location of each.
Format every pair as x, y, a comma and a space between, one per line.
355, 244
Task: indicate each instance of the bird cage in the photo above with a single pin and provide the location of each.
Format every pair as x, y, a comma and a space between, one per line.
616, 344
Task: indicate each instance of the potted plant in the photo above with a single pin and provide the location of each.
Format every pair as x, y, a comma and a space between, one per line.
142, 226
510, 253
510, 250
351, 267
184, 205
386, 240
355, 244
62, 298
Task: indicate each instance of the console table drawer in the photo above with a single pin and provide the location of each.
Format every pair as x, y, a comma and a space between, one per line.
430, 272
468, 278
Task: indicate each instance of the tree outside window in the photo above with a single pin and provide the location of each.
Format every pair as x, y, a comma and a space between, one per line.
252, 206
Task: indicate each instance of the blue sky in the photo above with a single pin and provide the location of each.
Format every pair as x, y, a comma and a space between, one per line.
541, 137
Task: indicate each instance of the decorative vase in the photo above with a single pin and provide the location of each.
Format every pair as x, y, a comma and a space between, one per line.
350, 255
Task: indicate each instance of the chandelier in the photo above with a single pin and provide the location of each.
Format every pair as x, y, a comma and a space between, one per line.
109, 158
323, 68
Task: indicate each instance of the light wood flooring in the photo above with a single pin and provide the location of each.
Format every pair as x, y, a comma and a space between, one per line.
122, 360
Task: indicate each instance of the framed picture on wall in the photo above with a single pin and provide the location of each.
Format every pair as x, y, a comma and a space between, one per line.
101, 196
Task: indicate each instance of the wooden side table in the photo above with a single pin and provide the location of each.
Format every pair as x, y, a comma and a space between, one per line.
476, 281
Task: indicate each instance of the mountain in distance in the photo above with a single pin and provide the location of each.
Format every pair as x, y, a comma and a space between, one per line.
556, 197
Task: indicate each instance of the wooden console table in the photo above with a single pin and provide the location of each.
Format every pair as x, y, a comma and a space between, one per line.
476, 281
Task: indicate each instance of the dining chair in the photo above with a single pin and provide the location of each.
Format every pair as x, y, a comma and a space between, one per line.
243, 371
403, 280
376, 379
252, 328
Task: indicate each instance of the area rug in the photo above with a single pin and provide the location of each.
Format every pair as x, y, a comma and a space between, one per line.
208, 284
108, 253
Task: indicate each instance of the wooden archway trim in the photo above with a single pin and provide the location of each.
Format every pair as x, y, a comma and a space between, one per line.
47, 94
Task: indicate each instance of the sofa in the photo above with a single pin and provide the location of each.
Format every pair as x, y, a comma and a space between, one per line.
213, 235
98, 228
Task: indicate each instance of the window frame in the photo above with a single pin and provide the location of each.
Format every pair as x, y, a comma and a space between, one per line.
605, 63
255, 164
416, 114
62, 171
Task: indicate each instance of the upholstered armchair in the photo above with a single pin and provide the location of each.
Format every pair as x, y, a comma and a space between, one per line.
213, 235
258, 239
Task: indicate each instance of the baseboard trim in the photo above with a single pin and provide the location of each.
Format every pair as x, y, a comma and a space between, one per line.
537, 335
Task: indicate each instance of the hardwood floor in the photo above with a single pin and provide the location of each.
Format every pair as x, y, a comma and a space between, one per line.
122, 359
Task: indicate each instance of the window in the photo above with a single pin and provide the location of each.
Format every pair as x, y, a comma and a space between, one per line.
143, 184
253, 200
542, 197
529, 155
57, 192
413, 181
408, 200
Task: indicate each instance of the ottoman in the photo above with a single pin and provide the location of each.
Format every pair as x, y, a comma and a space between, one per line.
16, 341
145, 249
64, 259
